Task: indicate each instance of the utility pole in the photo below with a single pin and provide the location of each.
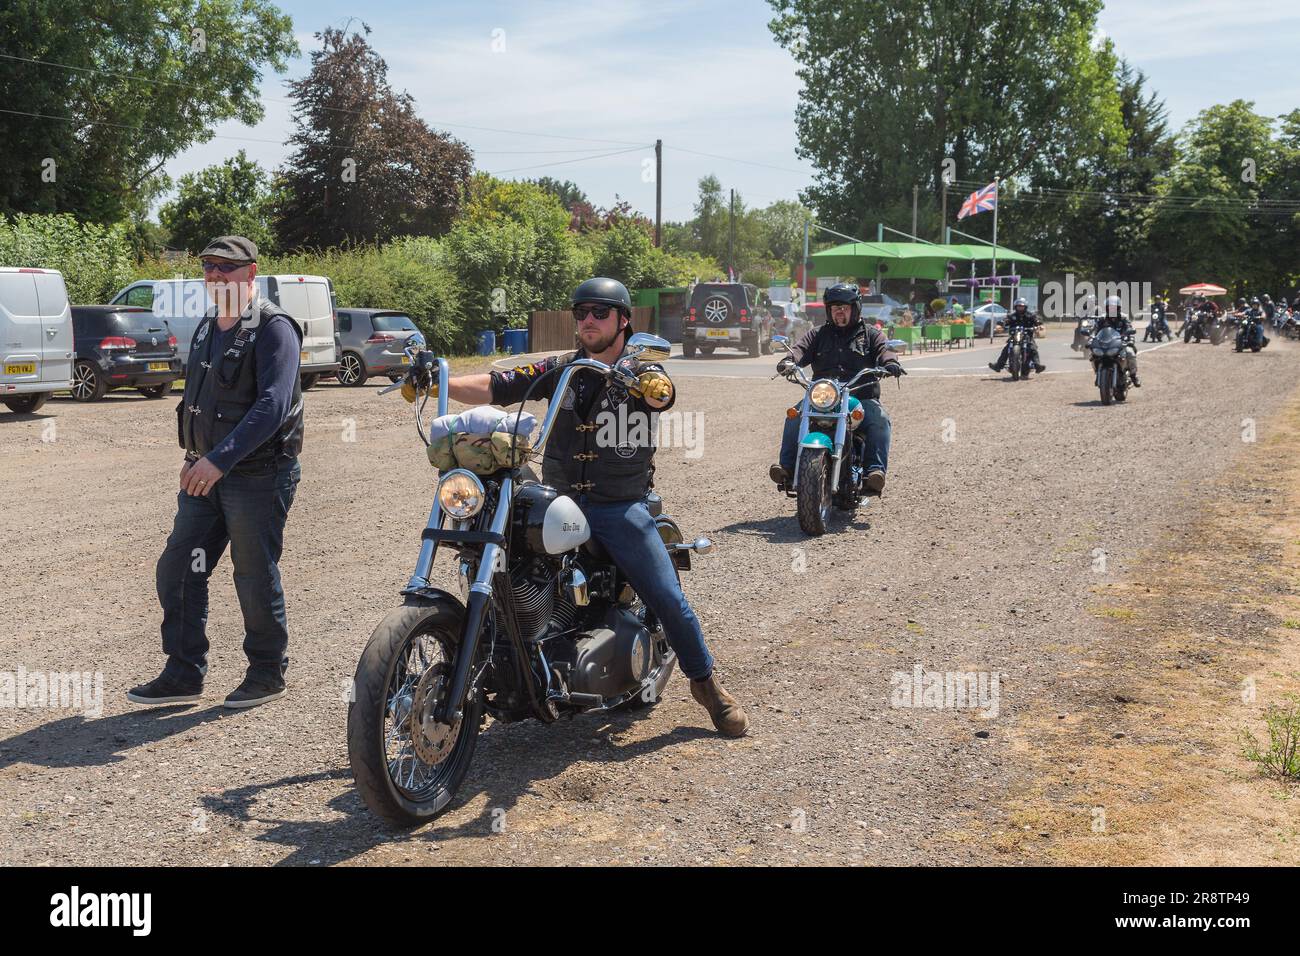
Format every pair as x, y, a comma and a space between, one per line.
943, 207
659, 191
803, 273
914, 194
731, 238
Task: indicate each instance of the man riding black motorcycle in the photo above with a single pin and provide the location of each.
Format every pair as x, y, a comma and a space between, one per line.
610, 480
839, 349
1021, 318
1113, 317
1245, 316
1158, 326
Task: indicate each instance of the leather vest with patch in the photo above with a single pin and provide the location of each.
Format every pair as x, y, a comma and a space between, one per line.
607, 455
219, 391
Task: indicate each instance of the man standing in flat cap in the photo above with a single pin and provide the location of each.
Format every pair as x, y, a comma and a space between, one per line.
240, 423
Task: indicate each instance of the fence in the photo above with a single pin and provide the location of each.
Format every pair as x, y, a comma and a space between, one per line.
551, 331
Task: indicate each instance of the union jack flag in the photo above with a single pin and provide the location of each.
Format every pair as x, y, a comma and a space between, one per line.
982, 200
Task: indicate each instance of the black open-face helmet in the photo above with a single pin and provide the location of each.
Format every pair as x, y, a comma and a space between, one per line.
1241, 301
843, 293
604, 291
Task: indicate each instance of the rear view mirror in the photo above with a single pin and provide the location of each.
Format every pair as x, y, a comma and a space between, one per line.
649, 348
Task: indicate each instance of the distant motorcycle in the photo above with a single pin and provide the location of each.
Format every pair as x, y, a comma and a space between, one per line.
1108, 361
1250, 333
1157, 329
1083, 332
1018, 361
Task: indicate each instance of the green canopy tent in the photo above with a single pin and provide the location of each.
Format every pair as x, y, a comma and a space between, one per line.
905, 260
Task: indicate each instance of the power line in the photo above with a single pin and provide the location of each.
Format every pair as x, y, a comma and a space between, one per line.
563, 162
733, 159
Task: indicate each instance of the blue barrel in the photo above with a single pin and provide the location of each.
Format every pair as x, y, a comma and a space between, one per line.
516, 341
487, 342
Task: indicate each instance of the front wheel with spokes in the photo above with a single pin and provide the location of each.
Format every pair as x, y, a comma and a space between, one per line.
407, 765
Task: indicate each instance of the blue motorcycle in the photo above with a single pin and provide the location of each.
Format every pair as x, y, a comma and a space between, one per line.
824, 475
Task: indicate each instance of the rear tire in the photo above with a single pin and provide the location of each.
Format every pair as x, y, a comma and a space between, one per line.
154, 391
88, 383
26, 404
384, 653
813, 503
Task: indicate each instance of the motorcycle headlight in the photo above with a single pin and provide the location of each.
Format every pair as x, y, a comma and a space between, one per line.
461, 494
824, 396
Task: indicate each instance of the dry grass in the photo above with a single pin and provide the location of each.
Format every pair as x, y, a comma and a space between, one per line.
1150, 771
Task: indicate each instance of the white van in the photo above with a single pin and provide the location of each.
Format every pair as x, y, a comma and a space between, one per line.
36, 347
182, 303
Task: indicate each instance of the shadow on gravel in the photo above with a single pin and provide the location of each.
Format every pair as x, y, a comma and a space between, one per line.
79, 742
510, 761
784, 529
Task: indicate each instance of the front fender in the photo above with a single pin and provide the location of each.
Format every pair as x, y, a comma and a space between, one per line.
816, 440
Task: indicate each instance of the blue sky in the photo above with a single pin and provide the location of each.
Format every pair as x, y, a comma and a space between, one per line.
703, 76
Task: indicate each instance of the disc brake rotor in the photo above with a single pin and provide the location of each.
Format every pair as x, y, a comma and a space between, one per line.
432, 740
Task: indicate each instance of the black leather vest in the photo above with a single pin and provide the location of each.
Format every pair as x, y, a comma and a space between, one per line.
220, 390
609, 454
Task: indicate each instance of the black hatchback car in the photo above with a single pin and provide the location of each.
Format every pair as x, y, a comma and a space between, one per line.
121, 347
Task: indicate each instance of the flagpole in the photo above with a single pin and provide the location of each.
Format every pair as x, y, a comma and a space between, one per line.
997, 289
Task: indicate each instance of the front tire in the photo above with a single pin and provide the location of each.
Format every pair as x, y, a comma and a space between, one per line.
1014, 362
1107, 389
813, 503
352, 370
396, 681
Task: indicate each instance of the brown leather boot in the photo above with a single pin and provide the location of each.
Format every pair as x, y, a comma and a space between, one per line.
727, 714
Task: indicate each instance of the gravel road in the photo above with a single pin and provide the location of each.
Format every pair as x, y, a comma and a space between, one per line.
1007, 504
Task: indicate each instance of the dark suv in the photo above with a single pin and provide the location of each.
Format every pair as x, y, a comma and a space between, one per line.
734, 315
120, 346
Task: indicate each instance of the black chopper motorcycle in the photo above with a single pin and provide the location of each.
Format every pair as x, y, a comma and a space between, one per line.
545, 625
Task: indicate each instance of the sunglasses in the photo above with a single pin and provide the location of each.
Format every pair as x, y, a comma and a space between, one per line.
225, 268
598, 312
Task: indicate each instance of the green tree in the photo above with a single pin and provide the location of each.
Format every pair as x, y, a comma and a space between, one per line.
512, 252
137, 85
782, 225
1226, 158
709, 228
365, 166
231, 198
893, 88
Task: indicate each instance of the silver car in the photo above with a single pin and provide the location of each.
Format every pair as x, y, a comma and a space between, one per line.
373, 344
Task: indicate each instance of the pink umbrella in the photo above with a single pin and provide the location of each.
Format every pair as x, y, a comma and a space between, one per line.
1203, 288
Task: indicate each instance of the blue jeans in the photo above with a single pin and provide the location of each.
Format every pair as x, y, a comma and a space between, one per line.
875, 425
628, 533
247, 512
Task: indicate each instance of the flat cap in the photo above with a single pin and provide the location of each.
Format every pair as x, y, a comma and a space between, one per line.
237, 248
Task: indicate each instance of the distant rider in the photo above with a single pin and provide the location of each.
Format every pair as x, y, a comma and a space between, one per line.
1021, 318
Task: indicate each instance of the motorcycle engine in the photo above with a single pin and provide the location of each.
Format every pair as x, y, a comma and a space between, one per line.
613, 658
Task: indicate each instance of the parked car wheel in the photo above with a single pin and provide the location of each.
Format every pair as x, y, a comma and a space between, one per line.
309, 381
707, 349
26, 404
154, 391
88, 385
352, 370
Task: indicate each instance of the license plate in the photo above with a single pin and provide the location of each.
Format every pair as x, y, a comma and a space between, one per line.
304, 356
159, 367
406, 360
716, 333
21, 368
